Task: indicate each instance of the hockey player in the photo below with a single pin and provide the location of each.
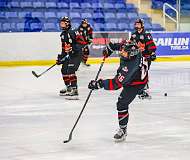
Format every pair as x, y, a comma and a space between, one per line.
131, 75
86, 32
147, 46
72, 51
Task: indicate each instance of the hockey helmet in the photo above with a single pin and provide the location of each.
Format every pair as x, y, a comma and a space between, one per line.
67, 22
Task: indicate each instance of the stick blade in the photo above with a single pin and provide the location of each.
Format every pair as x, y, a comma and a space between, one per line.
70, 138
34, 73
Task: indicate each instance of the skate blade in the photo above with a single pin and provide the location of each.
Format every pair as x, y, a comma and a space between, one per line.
72, 98
64, 95
119, 140
148, 98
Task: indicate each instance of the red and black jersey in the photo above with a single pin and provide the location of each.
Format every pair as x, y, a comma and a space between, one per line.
70, 42
145, 42
86, 34
133, 71
130, 73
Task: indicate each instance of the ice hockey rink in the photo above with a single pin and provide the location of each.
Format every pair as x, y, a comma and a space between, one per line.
34, 120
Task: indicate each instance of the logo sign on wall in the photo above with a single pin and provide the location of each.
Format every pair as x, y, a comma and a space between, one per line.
102, 38
177, 43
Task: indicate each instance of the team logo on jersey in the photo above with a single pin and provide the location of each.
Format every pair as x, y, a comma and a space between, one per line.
141, 37
149, 37
125, 69
134, 35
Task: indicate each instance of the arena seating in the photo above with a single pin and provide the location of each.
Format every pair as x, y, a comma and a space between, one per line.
185, 6
43, 15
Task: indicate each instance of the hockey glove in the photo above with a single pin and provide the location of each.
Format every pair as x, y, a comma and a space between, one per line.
152, 57
61, 58
106, 52
95, 84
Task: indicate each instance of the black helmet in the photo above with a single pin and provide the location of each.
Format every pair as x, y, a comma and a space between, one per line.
131, 48
84, 21
67, 22
139, 21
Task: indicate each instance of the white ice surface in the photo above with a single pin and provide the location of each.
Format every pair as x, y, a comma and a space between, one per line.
34, 120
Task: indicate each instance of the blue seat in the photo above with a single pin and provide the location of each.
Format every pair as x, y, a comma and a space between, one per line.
3, 4
74, 5
112, 20
157, 27
86, 15
97, 5
2, 15
36, 27
123, 26
50, 15
86, 5
24, 14
144, 16
50, 27
98, 15
110, 27
38, 14
130, 7
148, 26
13, 4
75, 25
109, 15
108, 6
38, 4
9, 27
62, 5
26, 4
98, 26
157, 4
120, 6
11, 14
121, 15
132, 16
74, 15
50, 5
6, 27
20, 27
62, 14
1, 29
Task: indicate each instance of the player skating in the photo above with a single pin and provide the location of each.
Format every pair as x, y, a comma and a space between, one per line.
147, 46
86, 33
72, 52
132, 76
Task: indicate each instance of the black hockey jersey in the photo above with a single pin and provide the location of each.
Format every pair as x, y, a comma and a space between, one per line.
70, 42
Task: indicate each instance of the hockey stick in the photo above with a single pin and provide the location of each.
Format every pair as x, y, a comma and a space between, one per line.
71, 132
38, 75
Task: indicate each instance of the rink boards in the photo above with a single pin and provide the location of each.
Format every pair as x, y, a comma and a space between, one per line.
41, 48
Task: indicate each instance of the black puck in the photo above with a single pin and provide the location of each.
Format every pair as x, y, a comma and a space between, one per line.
165, 94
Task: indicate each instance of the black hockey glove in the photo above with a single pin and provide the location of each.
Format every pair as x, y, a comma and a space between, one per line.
95, 84
106, 52
152, 57
61, 58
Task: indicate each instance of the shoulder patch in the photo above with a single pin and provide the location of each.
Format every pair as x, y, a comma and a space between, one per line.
133, 35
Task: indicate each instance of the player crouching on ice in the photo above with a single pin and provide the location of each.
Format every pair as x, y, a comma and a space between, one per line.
132, 75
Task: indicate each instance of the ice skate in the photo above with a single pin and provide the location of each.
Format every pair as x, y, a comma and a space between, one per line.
73, 94
65, 91
121, 135
144, 95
